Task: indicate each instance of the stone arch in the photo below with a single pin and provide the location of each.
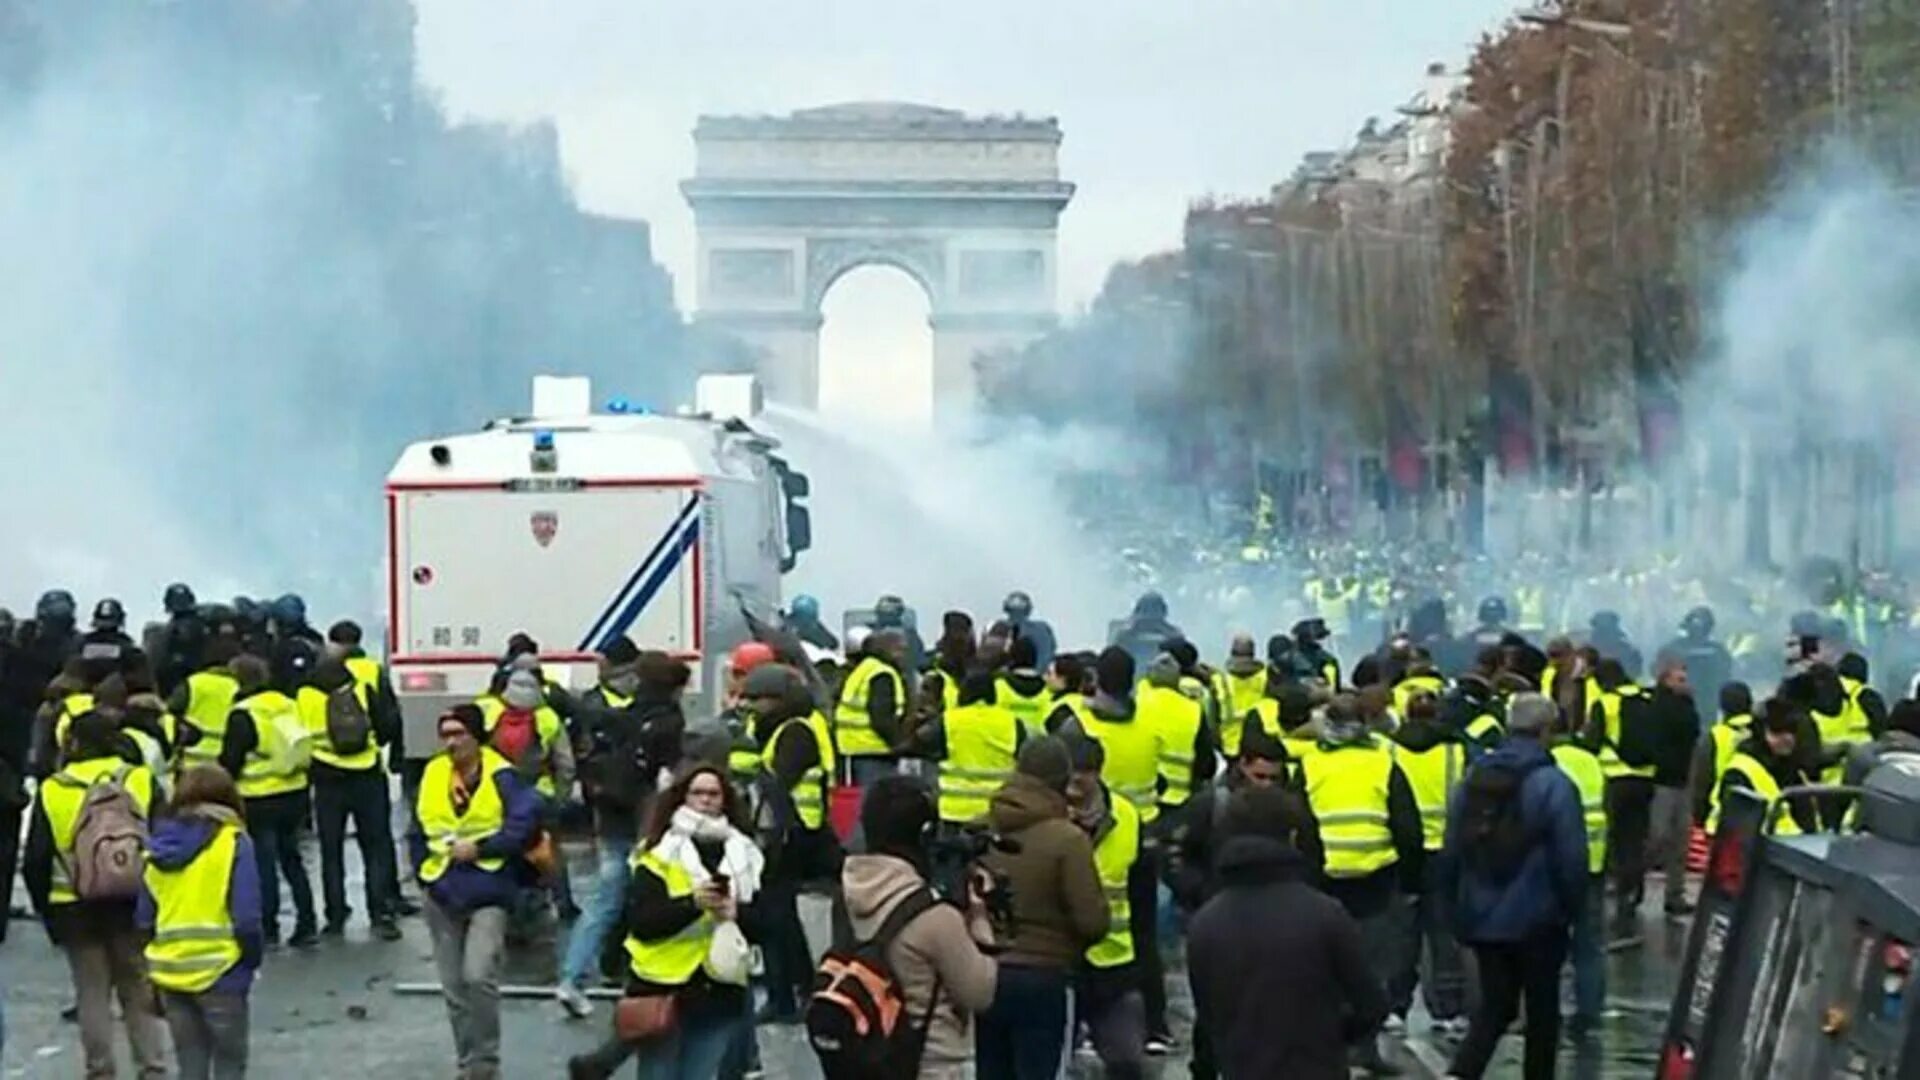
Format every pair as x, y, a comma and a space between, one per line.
968, 207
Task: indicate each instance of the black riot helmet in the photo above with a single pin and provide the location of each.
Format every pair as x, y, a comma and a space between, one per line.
179, 600
1018, 606
1493, 611
109, 614
55, 607
1699, 622
889, 610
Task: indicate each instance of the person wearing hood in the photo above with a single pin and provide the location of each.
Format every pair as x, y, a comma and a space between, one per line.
797, 771
1146, 632
1770, 760
1517, 875
349, 783
1371, 828
1133, 744
1678, 725
1018, 608
471, 826
1111, 995
201, 907
1238, 685
1281, 983
1058, 912
1900, 740
272, 778
523, 727
1021, 689
1433, 755
936, 955
104, 950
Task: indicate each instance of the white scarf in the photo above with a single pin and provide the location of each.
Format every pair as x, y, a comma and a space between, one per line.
740, 860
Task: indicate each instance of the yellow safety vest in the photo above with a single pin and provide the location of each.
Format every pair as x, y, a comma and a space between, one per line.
1347, 789
1583, 768
72, 707
1178, 718
853, 728
743, 757
810, 794
312, 703
1486, 729
1334, 605
1075, 703
1765, 786
1849, 729
486, 812
1300, 749
1404, 690
1727, 735
61, 798
981, 743
1132, 769
1236, 696
193, 941
1549, 676
1610, 706
210, 697
275, 765
672, 960
1533, 609
1031, 711
1113, 857
1432, 773
1234, 728
547, 729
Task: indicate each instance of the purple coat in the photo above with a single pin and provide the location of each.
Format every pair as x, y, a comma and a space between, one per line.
177, 841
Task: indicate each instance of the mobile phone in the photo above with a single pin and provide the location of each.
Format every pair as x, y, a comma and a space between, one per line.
723, 883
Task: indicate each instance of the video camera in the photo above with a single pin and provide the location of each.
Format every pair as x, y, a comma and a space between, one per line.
957, 852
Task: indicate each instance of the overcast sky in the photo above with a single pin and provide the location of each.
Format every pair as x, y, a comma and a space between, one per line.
1161, 100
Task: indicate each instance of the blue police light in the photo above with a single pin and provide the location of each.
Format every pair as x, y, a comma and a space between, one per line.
619, 406
543, 440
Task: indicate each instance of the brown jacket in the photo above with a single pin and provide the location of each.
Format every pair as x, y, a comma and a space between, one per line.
1059, 908
934, 944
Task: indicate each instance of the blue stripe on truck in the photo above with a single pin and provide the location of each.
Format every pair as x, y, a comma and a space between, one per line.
654, 582
597, 632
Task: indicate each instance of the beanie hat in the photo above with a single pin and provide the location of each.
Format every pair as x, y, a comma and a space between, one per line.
767, 681
470, 718
523, 690
1164, 671
1183, 651
1113, 671
660, 670
622, 652
1242, 645
1046, 759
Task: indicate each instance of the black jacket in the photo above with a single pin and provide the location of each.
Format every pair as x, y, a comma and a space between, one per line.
626, 749
650, 914
1679, 731
1278, 971
1192, 872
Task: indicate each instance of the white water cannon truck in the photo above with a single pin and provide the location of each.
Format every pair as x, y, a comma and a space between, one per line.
578, 528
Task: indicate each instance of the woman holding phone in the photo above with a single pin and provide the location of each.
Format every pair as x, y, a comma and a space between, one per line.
689, 913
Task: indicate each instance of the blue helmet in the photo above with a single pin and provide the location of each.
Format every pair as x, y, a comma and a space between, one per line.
806, 607
289, 610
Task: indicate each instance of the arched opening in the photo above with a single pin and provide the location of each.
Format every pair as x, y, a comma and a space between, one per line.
876, 346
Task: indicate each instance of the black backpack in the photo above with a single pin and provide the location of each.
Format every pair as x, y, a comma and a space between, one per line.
1493, 835
1639, 743
349, 728
857, 1018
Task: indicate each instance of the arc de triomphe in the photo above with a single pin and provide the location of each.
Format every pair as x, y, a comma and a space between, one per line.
968, 206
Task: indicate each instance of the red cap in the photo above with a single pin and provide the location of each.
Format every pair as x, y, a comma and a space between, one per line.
751, 655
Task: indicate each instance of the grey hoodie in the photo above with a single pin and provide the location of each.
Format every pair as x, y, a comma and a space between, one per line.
936, 944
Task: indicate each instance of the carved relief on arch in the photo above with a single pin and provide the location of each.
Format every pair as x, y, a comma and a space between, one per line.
923, 260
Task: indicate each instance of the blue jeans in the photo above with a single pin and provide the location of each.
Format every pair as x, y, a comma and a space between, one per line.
692, 1052
1590, 955
601, 914
1024, 1034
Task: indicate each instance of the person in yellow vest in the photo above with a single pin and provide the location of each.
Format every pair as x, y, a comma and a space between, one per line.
1767, 762
349, 783
261, 752
1110, 996
346, 640
1716, 748
143, 721
88, 909
1022, 690
1069, 683
68, 695
1132, 743
1615, 706
954, 654
1420, 677
1370, 827
1238, 685
1588, 946
526, 730
797, 771
1432, 755
205, 700
472, 822
1865, 713
978, 744
201, 905
690, 917
1310, 653
870, 725
1187, 754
